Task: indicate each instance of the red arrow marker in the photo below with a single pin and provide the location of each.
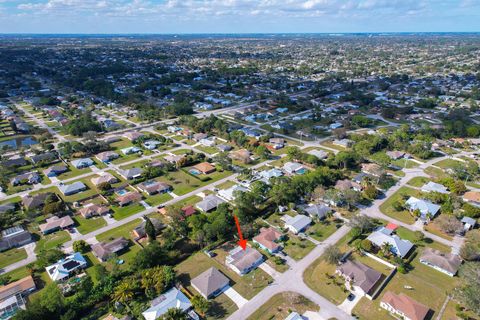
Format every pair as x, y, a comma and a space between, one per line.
242, 242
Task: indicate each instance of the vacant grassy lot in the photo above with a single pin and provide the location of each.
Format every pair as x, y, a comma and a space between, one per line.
73, 172
120, 213
407, 234
281, 305
404, 216
85, 226
435, 172
403, 163
447, 163
183, 183
323, 229
296, 247
418, 181
157, 199
122, 231
52, 240
11, 256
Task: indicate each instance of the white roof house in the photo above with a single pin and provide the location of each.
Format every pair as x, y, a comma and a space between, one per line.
298, 223
426, 208
272, 173
63, 268
173, 298
434, 187
294, 316
399, 247
320, 154
293, 167
229, 194
82, 163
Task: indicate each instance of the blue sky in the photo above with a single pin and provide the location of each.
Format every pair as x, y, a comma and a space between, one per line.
237, 16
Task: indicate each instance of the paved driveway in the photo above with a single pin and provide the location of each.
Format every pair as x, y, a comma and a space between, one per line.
235, 297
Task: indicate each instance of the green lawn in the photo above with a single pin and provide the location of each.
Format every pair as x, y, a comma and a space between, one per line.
208, 150
404, 216
120, 213
281, 305
405, 163
73, 172
122, 144
89, 192
407, 234
447, 163
85, 226
157, 199
122, 231
17, 274
323, 229
11, 256
418, 181
435, 172
183, 183
297, 248
52, 240
226, 185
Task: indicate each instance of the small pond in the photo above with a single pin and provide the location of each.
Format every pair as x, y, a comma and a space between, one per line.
16, 143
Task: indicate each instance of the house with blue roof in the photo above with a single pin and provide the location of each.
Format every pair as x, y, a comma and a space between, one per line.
64, 268
82, 163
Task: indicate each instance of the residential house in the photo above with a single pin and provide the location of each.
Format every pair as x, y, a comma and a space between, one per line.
472, 197
243, 261
31, 202
266, 175
230, 193
16, 161
294, 316
297, 223
13, 296
107, 156
345, 143
468, 223
403, 307
26, 178
209, 203
91, 209
199, 136
427, 209
104, 250
139, 231
434, 187
128, 198
153, 187
70, 189
320, 154
224, 147
204, 168
47, 157
55, 171
131, 150
372, 169
7, 207
362, 278
151, 144
210, 283
55, 223
208, 142
242, 155
133, 135
104, 177
172, 299
395, 155
319, 211
64, 268
398, 246
14, 237
173, 158
447, 263
294, 168
268, 239
131, 174
82, 163
343, 185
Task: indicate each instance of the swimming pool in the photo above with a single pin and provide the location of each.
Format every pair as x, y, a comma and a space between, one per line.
122, 192
195, 172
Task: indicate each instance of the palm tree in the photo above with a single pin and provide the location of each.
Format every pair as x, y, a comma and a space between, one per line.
386, 248
123, 293
174, 314
200, 304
